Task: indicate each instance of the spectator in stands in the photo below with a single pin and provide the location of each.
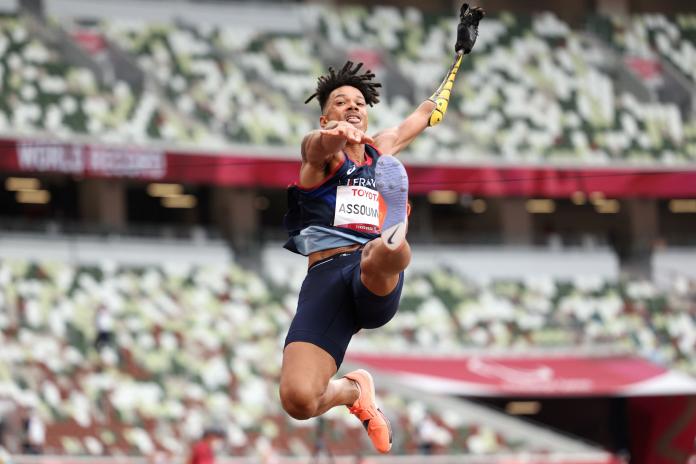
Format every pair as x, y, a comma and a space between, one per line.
355, 277
104, 323
425, 434
203, 450
34, 433
5, 408
12, 427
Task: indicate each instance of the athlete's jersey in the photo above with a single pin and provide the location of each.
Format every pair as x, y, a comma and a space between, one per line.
344, 209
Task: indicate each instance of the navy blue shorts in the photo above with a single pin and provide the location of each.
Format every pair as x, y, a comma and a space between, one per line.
334, 304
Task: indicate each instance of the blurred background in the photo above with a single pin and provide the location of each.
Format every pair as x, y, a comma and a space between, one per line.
549, 314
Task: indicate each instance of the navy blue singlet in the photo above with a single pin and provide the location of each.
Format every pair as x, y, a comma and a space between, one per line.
343, 210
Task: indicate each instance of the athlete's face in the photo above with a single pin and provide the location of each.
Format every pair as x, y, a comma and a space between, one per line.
346, 104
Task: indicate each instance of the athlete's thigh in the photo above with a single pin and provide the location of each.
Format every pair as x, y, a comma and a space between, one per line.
374, 310
325, 314
381, 268
308, 365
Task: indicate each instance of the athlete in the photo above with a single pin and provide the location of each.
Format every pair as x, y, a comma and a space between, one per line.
357, 251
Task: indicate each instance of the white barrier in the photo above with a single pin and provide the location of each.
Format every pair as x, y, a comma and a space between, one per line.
673, 263
482, 263
122, 250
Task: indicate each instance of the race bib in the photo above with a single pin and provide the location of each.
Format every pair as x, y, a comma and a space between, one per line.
357, 208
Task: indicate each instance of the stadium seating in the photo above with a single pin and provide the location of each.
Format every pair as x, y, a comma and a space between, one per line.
650, 35
533, 90
441, 310
192, 345
44, 95
195, 344
238, 84
647, 41
200, 344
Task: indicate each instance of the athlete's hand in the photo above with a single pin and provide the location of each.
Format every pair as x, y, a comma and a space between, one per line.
467, 30
343, 130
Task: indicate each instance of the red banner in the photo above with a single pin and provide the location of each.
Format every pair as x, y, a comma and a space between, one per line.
666, 430
82, 160
533, 375
251, 170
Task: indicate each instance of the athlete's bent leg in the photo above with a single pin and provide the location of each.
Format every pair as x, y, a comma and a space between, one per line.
380, 266
306, 386
385, 258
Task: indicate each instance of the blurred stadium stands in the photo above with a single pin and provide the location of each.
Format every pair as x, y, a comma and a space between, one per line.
551, 94
144, 150
151, 388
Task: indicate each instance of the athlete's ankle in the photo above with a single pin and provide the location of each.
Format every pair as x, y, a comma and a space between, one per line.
354, 392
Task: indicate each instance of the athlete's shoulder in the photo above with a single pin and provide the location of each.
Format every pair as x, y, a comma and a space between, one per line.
312, 177
373, 149
385, 140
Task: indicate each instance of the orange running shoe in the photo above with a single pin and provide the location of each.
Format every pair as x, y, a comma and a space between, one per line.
365, 409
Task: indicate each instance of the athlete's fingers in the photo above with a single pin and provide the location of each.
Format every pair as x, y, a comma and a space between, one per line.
362, 137
335, 132
351, 135
367, 139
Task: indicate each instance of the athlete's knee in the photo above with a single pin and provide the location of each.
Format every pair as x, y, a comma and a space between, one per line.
402, 256
404, 253
381, 276
378, 259
299, 400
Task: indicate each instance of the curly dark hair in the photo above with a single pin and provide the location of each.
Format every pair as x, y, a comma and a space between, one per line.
348, 75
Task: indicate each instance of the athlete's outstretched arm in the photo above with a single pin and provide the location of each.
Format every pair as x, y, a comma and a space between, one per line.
432, 111
392, 141
320, 146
